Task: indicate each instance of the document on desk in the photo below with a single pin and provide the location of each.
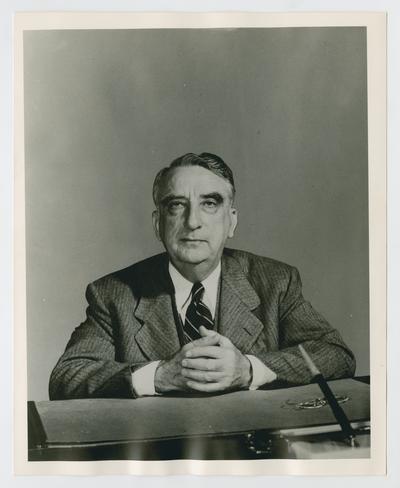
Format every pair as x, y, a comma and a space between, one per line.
88, 421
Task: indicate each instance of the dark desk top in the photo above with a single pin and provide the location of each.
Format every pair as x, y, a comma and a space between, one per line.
89, 421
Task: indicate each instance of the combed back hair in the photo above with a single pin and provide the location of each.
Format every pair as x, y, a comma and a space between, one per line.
205, 160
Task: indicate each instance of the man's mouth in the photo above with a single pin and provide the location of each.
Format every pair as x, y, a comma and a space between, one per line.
190, 239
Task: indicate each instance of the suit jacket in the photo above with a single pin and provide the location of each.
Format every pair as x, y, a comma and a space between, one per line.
130, 322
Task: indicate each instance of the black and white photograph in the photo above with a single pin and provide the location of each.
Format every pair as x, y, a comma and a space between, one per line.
197, 228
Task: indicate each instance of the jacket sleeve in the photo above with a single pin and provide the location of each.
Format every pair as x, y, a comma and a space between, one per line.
88, 368
299, 323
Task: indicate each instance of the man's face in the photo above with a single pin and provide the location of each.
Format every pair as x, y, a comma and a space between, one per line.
194, 217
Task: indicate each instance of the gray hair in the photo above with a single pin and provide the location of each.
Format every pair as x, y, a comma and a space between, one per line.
205, 160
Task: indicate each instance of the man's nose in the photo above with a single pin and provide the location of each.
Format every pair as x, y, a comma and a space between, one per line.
193, 218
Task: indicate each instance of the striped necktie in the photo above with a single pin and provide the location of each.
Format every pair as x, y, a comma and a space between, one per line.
197, 314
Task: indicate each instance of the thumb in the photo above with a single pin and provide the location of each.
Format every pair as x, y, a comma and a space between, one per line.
208, 338
204, 332
215, 337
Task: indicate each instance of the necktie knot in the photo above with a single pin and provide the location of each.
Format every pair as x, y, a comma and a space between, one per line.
197, 292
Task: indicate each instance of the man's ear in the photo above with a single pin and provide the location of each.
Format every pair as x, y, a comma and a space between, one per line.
156, 223
234, 217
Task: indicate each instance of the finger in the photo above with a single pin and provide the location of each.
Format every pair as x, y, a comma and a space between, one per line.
202, 364
220, 339
210, 340
206, 387
187, 346
205, 352
202, 376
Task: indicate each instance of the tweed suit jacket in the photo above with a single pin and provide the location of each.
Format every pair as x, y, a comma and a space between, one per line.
130, 322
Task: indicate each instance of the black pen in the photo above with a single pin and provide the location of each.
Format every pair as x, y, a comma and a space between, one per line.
330, 398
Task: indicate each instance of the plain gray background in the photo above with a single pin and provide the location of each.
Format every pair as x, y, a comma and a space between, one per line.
104, 110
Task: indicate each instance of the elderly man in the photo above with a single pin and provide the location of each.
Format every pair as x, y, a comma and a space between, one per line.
200, 317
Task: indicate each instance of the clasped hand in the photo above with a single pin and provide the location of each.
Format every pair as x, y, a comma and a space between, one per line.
209, 364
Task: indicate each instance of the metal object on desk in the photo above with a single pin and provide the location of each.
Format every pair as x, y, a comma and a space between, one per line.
313, 403
331, 399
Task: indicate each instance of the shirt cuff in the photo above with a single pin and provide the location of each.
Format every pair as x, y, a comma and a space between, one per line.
261, 373
143, 379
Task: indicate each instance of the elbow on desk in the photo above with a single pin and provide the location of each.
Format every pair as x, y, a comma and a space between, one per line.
63, 384
345, 366
70, 381
351, 365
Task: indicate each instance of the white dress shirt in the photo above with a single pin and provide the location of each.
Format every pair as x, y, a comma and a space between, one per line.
183, 290
143, 378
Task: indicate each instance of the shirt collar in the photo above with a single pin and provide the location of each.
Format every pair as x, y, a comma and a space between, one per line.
183, 287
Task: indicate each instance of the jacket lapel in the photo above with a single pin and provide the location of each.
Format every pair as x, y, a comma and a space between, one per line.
238, 300
158, 336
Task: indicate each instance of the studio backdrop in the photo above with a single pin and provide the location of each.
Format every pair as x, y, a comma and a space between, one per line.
286, 108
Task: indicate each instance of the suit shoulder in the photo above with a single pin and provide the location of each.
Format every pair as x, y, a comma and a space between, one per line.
263, 273
137, 274
250, 262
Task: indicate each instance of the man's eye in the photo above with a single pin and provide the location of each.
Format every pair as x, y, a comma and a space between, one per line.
210, 203
175, 206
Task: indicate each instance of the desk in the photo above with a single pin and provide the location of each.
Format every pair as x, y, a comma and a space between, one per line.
237, 425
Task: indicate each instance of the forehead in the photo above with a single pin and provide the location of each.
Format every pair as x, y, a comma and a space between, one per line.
196, 180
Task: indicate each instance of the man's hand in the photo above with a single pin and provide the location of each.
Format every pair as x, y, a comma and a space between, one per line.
219, 366
168, 375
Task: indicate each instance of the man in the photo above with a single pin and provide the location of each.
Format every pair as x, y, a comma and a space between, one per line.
198, 318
